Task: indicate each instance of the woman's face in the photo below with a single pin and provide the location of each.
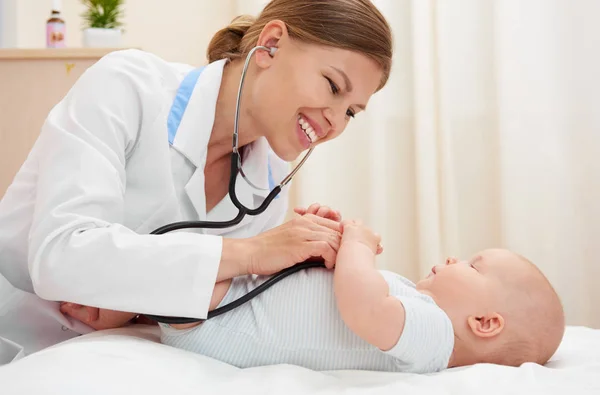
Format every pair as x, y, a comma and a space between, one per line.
306, 94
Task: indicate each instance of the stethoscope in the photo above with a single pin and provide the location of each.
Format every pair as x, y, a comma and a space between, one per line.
236, 166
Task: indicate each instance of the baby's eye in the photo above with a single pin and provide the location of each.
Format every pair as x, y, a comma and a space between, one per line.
350, 113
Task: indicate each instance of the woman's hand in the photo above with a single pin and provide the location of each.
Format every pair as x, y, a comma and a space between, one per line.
96, 318
320, 211
295, 241
302, 238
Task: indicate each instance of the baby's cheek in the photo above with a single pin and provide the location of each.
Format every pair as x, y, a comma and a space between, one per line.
445, 287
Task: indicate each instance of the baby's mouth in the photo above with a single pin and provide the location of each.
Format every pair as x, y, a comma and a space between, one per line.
307, 129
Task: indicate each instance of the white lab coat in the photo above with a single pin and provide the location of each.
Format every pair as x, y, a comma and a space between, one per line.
74, 224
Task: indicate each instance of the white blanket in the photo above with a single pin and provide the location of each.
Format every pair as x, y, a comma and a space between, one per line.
131, 361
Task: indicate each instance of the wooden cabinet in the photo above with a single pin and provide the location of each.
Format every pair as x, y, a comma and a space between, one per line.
32, 81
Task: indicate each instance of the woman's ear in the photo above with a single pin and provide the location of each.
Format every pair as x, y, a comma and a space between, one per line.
273, 35
486, 326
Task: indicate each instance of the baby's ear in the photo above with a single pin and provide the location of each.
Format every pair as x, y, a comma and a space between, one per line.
486, 326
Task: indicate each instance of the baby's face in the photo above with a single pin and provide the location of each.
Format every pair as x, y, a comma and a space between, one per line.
497, 292
471, 287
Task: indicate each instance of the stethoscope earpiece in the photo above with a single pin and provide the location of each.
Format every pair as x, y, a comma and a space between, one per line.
272, 51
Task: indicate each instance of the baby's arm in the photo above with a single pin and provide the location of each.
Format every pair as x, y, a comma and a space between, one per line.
362, 294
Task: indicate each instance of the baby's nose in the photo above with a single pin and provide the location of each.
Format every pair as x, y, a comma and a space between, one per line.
451, 261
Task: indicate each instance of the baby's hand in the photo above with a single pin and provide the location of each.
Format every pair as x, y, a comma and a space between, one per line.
320, 211
355, 231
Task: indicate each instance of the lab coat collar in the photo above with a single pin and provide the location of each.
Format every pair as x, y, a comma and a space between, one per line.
195, 128
198, 119
192, 139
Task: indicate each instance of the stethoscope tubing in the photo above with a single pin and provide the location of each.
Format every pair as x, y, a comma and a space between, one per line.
242, 212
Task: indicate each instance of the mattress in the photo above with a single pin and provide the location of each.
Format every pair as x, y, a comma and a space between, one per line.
132, 361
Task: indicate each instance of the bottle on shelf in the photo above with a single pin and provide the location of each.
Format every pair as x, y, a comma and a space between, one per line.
55, 28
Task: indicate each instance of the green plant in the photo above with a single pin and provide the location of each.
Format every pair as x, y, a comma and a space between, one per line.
105, 14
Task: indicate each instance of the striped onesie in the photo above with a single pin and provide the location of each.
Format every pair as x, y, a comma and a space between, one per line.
296, 322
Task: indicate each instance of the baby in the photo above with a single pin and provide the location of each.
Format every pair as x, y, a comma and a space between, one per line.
496, 307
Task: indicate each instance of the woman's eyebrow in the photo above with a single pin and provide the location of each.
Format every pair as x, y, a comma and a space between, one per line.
347, 81
348, 84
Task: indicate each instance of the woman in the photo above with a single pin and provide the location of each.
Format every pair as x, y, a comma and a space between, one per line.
117, 159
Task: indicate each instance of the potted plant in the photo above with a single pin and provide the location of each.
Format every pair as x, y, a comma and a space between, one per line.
102, 22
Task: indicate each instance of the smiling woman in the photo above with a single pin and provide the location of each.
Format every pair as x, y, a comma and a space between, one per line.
140, 142
337, 54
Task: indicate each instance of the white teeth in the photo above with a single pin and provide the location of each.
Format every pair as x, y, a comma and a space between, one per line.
308, 130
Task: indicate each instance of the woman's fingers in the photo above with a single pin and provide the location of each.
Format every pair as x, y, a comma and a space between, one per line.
323, 249
332, 239
338, 216
300, 210
85, 314
69, 305
320, 211
324, 222
313, 208
75, 311
318, 233
93, 313
329, 213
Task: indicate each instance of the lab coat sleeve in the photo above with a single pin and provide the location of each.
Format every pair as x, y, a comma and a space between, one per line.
78, 250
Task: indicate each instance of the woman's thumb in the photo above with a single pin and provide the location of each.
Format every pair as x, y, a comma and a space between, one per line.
300, 210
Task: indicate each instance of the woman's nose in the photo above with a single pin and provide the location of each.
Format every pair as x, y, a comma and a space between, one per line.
336, 118
329, 115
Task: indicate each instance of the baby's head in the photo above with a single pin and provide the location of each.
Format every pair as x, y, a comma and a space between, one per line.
503, 309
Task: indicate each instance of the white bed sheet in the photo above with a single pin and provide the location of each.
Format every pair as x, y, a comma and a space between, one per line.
131, 361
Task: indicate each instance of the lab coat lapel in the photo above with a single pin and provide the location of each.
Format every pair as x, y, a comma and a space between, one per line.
255, 165
195, 129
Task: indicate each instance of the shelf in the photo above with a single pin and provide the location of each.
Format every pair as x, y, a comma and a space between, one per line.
55, 53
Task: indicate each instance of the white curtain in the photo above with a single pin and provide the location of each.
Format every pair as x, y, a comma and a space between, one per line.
487, 135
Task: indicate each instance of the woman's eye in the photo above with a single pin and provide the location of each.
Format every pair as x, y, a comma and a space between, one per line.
334, 89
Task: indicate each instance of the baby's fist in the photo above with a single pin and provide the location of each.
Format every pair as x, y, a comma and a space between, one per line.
355, 231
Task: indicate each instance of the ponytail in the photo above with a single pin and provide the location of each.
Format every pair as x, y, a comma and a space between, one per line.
353, 25
226, 42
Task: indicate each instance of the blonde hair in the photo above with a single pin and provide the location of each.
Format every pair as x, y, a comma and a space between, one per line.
355, 25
